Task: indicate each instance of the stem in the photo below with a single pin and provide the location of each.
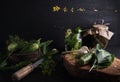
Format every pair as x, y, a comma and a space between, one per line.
93, 66
8, 56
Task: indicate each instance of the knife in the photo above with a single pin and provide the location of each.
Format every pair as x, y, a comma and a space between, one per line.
18, 75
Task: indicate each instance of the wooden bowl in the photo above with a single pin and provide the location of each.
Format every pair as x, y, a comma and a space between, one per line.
16, 57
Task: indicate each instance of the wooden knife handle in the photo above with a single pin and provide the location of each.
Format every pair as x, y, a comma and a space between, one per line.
22, 72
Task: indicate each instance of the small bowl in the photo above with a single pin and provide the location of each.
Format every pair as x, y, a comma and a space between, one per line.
17, 57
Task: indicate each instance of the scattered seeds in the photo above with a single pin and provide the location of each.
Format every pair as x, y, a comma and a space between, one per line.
65, 9
56, 8
96, 10
81, 9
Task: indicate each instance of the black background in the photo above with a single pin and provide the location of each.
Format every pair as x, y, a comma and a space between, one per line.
32, 19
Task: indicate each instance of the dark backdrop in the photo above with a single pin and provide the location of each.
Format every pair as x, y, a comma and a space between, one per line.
35, 18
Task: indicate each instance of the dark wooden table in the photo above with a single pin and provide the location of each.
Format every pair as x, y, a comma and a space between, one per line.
35, 18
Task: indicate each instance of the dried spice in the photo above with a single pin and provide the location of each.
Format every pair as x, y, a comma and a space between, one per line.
56, 8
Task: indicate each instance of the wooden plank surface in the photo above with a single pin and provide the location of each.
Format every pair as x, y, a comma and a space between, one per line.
35, 18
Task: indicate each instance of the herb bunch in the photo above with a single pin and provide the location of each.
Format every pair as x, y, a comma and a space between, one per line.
20, 46
96, 57
73, 39
48, 54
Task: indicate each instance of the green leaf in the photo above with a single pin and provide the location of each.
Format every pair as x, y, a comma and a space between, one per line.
78, 30
3, 64
102, 58
44, 46
46, 43
68, 33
